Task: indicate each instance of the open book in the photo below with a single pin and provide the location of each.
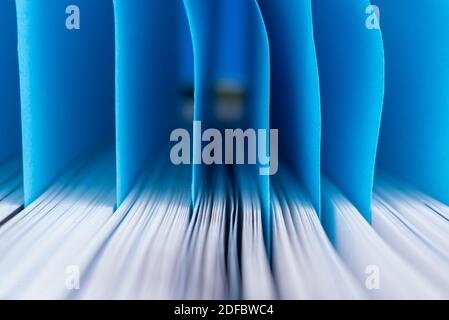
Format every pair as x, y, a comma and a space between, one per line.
224, 149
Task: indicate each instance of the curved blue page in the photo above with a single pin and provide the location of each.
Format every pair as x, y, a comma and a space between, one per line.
232, 23
146, 83
185, 58
414, 143
10, 132
295, 91
244, 67
200, 18
67, 84
351, 68
259, 106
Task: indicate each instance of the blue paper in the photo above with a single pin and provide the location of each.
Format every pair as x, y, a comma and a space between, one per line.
351, 69
67, 86
232, 40
259, 105
295, 92
10, 127
185, 56
218, 55
147, 84
414, 140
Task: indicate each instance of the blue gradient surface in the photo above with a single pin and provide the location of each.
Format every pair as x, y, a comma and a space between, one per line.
351, 69
10, 133
414, 140
67, 86
147, 84
295, 91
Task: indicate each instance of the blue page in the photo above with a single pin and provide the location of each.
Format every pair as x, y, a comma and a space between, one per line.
185, 56
241, 57
232, 24
351, 69
10, 130
200, 18
67, 85
295, 91
414, 142
259, 105
147, 83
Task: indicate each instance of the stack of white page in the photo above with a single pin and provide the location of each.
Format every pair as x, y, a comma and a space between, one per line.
138, 253
305, 264
71, 243
383, 272
40, 245
416, 226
